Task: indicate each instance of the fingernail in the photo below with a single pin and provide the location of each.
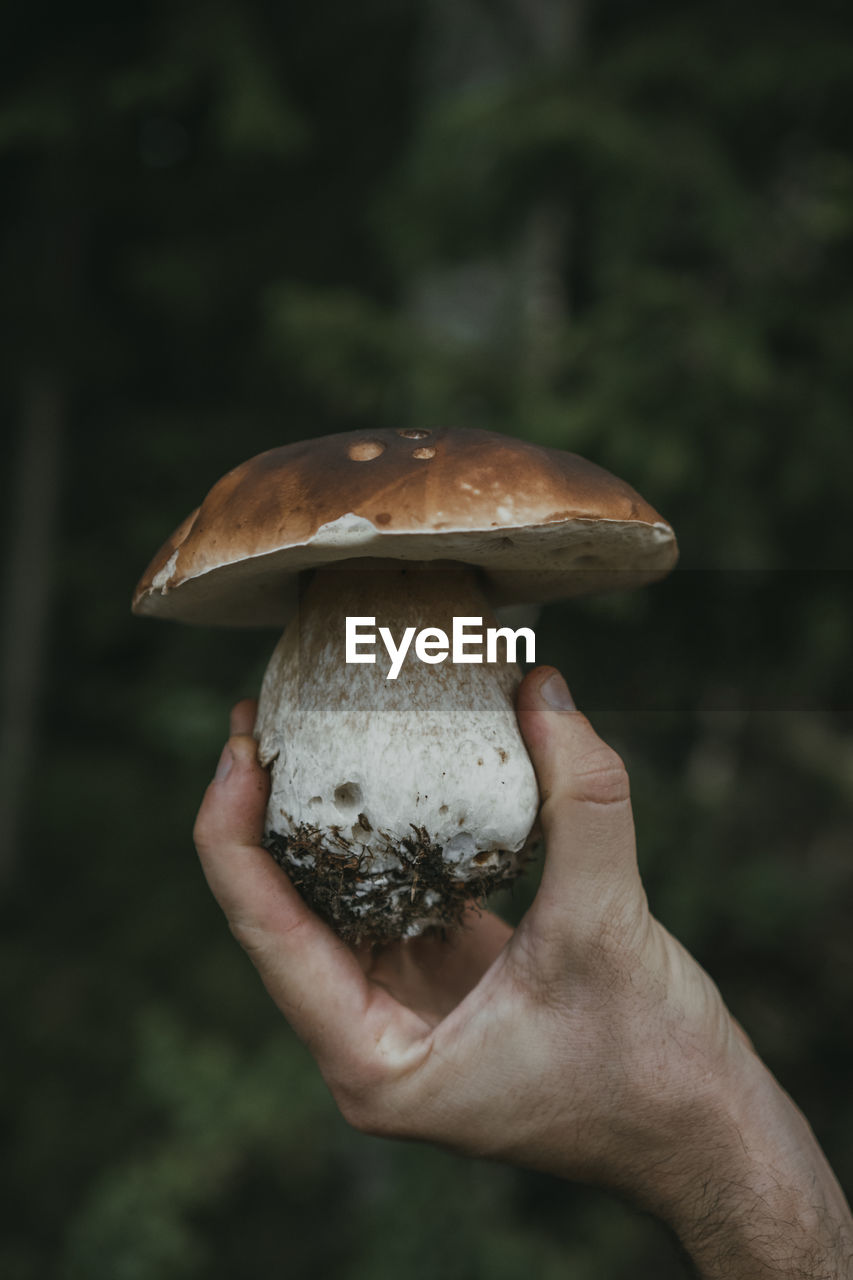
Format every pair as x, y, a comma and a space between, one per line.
555, 691
223, 769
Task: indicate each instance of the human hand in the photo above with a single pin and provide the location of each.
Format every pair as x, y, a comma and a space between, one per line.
586, 1043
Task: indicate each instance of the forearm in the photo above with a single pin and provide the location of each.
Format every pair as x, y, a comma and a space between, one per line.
752, 1197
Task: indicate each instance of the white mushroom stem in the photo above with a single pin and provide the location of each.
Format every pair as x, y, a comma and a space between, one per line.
388, 778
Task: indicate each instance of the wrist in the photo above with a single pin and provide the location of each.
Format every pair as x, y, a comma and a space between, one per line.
742, 1182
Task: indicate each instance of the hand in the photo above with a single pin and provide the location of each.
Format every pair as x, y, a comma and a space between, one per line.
586, 1043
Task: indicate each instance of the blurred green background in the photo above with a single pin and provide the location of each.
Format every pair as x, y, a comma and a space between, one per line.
623, 228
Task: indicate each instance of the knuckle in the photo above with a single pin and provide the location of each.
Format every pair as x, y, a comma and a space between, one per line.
202, 833
352, 1108
251, 937
374, 1100
601, 777
364, 1119
264, 930
360, 1103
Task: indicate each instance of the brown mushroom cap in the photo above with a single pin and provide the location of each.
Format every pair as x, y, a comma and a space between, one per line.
541, 523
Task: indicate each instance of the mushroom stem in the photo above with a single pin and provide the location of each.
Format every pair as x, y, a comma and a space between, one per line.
394, 802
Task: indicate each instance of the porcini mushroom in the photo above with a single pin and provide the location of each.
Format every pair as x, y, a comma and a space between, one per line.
395, 802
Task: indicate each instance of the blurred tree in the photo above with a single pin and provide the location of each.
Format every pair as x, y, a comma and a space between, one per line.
623, 229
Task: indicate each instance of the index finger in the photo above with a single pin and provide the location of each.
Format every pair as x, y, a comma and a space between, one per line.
312, 976
243, 716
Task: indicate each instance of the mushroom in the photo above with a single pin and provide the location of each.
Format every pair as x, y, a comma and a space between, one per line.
394, 802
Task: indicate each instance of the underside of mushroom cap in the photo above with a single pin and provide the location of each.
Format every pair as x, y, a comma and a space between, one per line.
540, 523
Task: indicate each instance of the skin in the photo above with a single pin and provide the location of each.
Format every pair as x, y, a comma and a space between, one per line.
587, 1043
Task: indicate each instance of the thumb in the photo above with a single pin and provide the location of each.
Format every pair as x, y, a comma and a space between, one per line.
590, 871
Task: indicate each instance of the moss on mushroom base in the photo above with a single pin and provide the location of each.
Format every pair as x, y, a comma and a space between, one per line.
393, 803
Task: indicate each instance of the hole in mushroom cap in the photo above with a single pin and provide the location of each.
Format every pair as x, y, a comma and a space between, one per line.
410, 433
364, 450
315, 801
347, 796
423, 453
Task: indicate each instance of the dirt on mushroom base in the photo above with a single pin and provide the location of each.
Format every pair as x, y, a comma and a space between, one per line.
336, 882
